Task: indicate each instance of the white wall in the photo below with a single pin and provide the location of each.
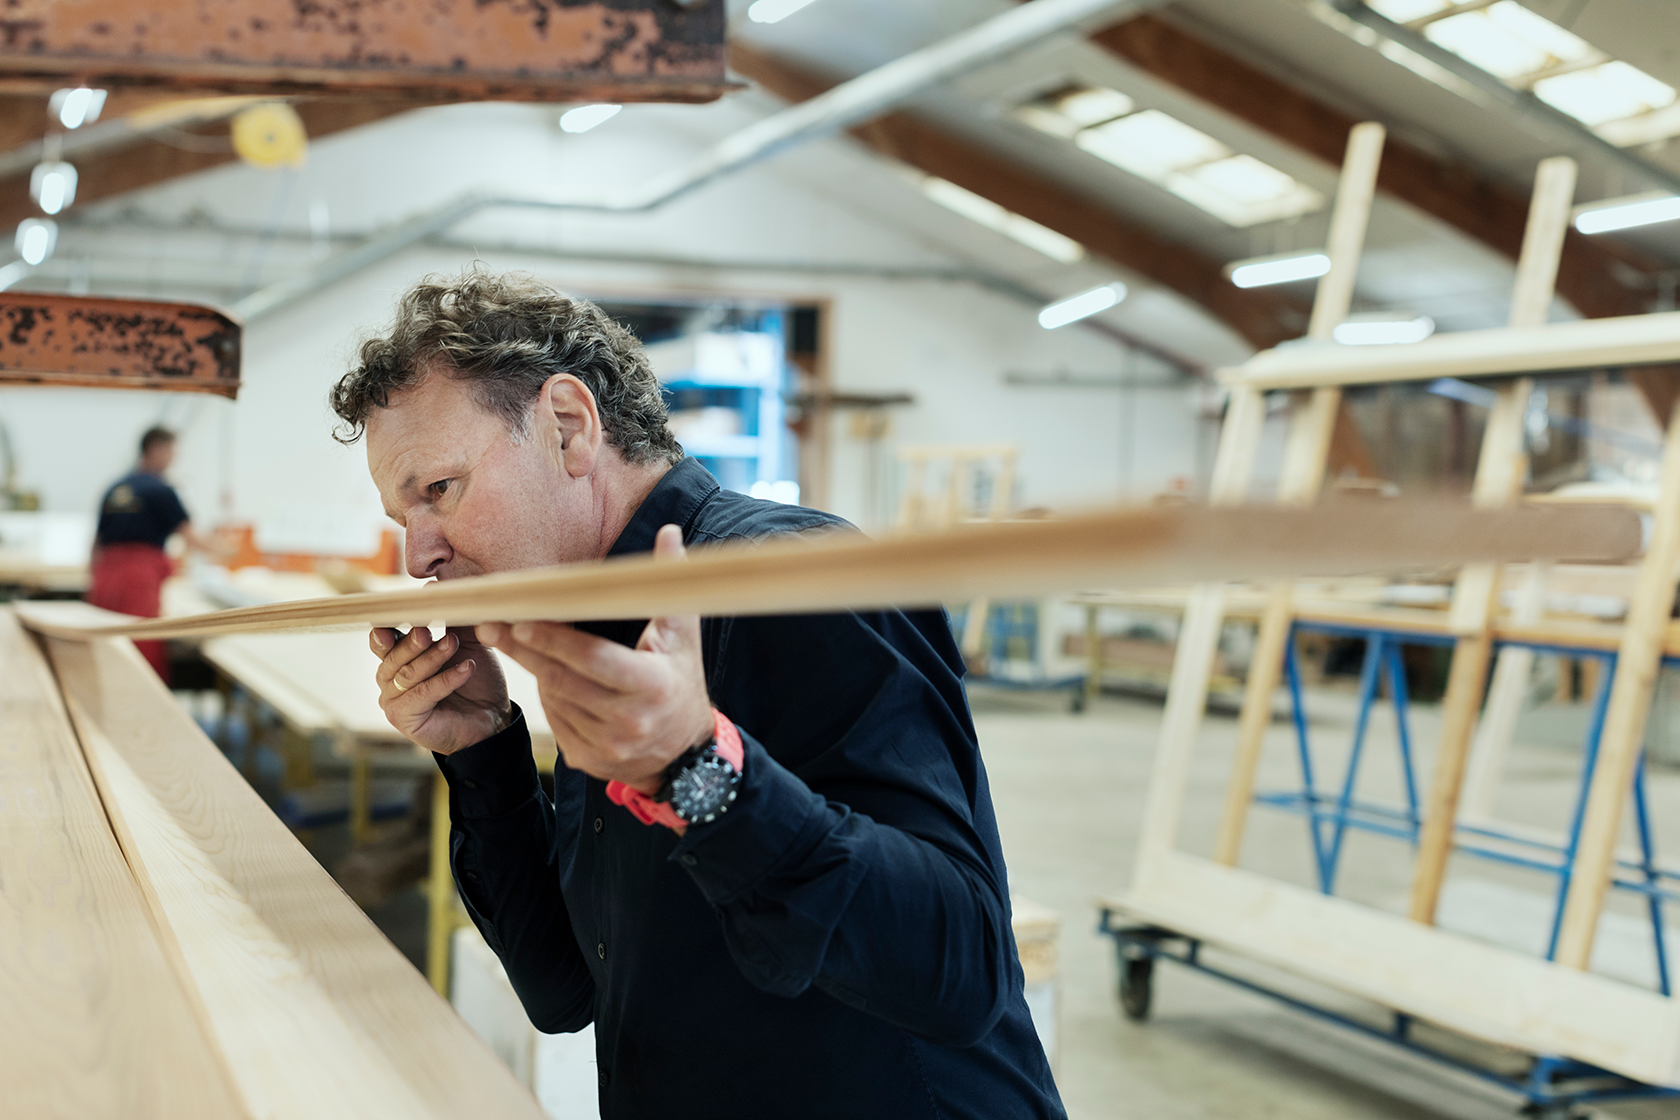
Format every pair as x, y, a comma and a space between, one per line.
948, 342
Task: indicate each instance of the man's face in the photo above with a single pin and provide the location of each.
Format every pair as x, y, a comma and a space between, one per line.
473, 501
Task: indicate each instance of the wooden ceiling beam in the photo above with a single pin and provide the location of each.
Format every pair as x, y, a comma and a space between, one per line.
1262, 318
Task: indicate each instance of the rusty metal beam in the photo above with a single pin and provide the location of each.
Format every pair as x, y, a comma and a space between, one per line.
524, 50
117, 344
1262, 317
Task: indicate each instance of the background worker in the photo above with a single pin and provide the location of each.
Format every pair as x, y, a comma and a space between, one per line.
137, 516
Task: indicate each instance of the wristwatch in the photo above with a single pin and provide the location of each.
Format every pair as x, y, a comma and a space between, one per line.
699, 786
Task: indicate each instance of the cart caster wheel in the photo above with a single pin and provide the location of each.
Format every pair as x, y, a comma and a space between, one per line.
1137, 987
1076, 704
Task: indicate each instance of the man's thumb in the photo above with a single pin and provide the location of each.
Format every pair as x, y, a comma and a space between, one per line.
668, 544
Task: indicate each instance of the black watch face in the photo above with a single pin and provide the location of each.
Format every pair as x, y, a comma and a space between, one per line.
704, 789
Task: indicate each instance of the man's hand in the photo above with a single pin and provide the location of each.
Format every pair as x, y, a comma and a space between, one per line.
444, 695
618, 713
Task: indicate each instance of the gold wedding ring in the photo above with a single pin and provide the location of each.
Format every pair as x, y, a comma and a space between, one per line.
400, 686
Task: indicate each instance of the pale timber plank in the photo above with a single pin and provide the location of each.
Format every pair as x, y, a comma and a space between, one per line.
1302, 477
1629, 340
317, 1014
94, 1023
1486, 991
1135, 547
1622, 739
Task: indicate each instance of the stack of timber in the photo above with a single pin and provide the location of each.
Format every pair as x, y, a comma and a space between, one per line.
168, 949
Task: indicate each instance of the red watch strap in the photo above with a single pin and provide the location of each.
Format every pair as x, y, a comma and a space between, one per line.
726, 740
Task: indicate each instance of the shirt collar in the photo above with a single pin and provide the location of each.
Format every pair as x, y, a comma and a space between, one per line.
674, 500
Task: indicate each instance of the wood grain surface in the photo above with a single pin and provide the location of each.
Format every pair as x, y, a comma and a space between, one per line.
94, 1022
317, 1013
1125, 547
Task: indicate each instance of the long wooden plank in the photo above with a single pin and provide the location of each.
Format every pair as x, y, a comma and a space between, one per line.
117, 344
1136, 547
316, 1012
1623, 738
1501, 471
93, 1020
1486, 991
1628, 340
1305, 457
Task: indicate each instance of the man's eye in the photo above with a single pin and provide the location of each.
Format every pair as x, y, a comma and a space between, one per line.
439, 488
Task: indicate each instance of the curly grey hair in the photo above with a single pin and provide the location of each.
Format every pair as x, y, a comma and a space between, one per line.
505, 334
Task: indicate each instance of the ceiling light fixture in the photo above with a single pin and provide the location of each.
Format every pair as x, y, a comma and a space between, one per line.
53, 185
1081, 306
989, 214
76, 107
1282, 269
1626, 213
774, 11
1383, 330
36, 238
586, 117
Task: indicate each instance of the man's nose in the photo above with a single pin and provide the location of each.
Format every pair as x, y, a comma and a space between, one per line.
425, 550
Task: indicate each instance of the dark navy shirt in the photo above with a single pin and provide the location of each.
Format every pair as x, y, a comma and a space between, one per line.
140, 508
837, 944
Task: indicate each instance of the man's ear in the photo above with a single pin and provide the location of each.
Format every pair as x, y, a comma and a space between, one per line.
573, 423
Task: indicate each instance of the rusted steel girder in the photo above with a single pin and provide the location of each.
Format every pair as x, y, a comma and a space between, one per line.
117, 344
528, 50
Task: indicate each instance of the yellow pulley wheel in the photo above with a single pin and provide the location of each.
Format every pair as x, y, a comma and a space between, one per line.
270, 135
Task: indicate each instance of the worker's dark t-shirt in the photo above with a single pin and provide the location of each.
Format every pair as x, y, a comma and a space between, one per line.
837, 944
140, 508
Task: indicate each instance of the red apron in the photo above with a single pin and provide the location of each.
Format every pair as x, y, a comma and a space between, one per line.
129, 578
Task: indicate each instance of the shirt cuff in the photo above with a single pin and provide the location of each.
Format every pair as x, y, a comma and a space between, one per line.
773, 807
494, 776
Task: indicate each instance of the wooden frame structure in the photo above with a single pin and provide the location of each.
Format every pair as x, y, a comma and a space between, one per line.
1403, 962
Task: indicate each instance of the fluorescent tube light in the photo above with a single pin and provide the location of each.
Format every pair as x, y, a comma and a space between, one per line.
1383, 331
1644, 210
53, 185
76, 107
1081, 306
586, 117
36, 238
989, 214
1278, 270
774, 11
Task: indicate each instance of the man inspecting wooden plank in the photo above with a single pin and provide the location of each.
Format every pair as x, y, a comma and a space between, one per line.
773, 832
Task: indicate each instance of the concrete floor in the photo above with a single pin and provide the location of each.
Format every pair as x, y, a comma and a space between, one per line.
1069, 791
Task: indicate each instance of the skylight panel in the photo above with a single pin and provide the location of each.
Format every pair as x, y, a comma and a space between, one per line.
1238, 189
1065, 111
1151, 144
989, 214
1405, 11
1242, 191
1622, 103
1604, 93
1475, 37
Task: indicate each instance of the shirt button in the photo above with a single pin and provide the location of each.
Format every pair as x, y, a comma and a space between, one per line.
605, 1078
687, 860
599, 824
469, 783
472, 875
601, 950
